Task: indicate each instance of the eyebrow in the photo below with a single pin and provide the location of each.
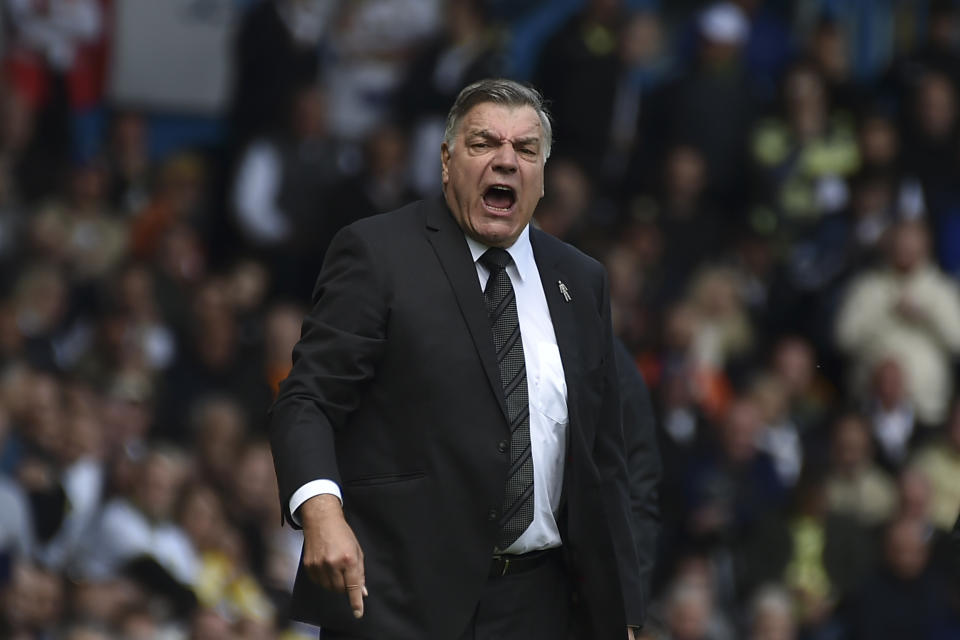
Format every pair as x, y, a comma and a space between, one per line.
528, 140
489, 135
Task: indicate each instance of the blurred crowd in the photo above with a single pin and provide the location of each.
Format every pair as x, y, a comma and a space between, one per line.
774, 187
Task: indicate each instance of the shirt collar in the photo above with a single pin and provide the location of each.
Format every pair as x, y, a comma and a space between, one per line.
521, 251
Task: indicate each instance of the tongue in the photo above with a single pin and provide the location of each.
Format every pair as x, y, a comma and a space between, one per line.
498, 198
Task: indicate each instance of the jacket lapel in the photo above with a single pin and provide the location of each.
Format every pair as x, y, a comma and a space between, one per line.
565, 330
561, 313
448, 243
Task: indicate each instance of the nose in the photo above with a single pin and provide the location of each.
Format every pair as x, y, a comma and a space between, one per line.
505, 160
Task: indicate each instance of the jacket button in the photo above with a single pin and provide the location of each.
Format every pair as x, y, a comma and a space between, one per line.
492, 515
502, 446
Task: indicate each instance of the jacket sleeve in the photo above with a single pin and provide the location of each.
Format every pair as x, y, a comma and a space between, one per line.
644, 468
610, 456
341, 342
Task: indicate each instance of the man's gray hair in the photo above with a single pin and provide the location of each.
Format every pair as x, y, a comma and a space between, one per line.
508, 93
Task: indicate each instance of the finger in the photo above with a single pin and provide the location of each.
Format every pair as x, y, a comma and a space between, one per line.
316, 571
334, 578
320, 576
354, 585
362, 569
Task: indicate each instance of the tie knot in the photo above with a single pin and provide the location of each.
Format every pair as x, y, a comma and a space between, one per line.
495, 259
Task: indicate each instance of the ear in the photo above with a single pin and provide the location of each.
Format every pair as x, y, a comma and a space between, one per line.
444, 163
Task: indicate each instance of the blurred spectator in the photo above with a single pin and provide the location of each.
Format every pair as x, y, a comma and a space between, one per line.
16, 528
905, 311
879, 142
891, 413
82, 478
282, 330
180, 267
771, 615
223, 581
931, 132
779, 437
32, 603
820, 556
829, 52
722, 331
689, 615
219, 429
803, 154
691, 610
855, 485
566, 208
104, 602
906, 598
880, 155
148, 330
27, 170
808, 393
53, 63
578, 73
681, 414
914, 495
251, 501
178, 199
936, 52
466, 50
716, 88
645, 67
939, 462
86, 631
208, 624
601, 71
277, 50
691, 230
281, 189
138, 623
382, 185
13, 221
127, 413
131, 171
728, 490
38, 468
629, 285
80, 232
211, 360
141, 526
371, 45
770, 44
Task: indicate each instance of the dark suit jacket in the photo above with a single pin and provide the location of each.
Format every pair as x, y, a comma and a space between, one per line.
395, 395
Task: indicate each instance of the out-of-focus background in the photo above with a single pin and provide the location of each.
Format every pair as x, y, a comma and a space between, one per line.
774, 187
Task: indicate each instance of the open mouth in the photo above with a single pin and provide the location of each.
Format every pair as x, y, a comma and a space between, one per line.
499, 198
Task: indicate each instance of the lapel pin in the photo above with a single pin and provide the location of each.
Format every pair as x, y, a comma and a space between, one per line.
564, 290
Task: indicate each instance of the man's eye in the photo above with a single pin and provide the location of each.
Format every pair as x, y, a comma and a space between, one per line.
528, 151
480, 145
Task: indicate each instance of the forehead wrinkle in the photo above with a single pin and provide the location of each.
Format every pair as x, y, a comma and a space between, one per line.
477, 124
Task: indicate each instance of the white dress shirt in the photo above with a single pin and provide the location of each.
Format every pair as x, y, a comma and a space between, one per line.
547, 390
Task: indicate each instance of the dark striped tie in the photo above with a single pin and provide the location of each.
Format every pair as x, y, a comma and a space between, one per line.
505, 323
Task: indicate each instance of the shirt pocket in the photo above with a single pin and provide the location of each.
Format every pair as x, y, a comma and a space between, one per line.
549, 393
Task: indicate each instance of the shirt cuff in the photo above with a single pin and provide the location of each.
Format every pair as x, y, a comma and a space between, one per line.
309, 490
